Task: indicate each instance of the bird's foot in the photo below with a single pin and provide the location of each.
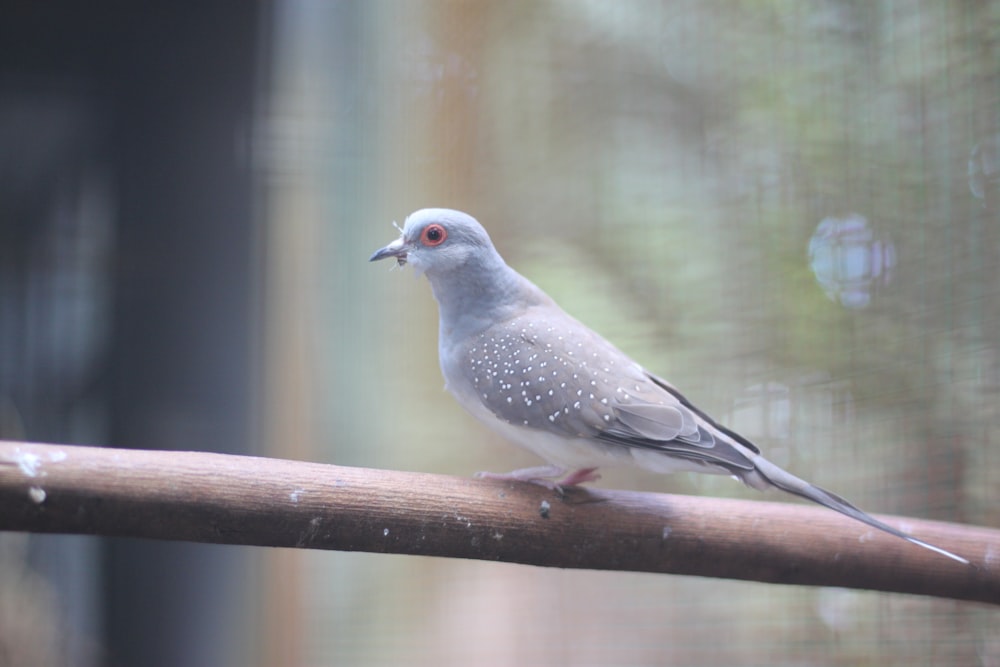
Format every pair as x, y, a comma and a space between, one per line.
541, 475
544, 476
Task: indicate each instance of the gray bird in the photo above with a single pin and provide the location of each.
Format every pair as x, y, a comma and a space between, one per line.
528, 370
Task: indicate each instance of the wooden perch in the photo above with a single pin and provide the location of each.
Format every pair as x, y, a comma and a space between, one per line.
203, 497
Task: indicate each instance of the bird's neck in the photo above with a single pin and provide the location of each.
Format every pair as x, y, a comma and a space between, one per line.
492, 293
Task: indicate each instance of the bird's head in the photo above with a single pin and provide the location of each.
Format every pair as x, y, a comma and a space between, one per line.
438, 242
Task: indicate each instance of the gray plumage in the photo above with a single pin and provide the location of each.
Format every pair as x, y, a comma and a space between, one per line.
515, 360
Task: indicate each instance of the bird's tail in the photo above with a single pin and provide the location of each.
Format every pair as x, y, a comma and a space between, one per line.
788, 482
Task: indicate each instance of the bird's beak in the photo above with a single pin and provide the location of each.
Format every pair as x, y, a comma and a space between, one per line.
395, 249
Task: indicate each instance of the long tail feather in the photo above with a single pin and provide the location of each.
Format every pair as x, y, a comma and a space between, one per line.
788, 482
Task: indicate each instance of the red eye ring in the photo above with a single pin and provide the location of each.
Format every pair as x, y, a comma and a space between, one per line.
433, 235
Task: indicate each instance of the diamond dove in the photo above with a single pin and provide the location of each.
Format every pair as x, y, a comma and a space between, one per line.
543, 380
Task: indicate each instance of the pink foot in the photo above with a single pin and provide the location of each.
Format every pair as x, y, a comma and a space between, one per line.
579, 477
543, 476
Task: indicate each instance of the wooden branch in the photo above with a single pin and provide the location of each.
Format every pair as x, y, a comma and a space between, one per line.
224, 499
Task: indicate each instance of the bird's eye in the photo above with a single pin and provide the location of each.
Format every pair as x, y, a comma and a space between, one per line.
433, 235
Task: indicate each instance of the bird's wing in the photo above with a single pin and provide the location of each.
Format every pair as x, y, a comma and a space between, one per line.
649, 426
703, 418
560, 377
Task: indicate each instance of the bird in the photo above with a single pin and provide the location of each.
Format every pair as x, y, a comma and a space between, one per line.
545, 381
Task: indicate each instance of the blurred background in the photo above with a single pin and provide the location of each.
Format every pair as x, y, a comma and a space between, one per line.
789, 209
